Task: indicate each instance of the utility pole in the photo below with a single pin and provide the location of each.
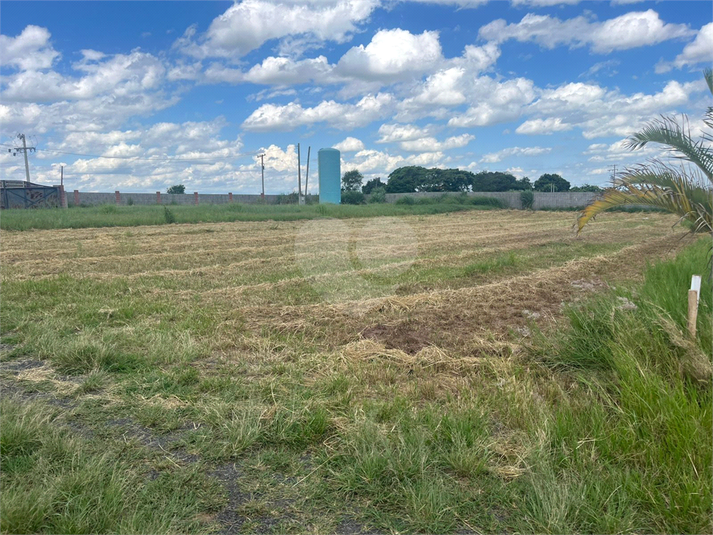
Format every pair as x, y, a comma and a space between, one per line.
307, 173
61, 175
299, 176
613, 173
262, 169
24, 150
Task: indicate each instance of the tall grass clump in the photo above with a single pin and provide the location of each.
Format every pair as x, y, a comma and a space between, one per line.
527, 198
168, 215
632, 452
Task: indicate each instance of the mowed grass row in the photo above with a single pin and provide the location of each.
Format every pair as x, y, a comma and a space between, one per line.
421, 252
282, 417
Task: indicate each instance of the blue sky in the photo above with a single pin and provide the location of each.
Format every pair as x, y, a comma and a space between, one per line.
137, 96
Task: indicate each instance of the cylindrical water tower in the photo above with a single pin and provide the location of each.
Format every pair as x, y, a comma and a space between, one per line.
330, 176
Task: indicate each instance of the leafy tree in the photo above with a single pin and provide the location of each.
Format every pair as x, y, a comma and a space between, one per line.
522, 184
351, 181
406, 179
551, 182
685, 189
177, 189
447, 180
371, 184
493, 181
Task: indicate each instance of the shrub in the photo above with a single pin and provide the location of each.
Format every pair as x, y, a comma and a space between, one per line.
353, 197
109, 209
168, 215
406, 200
130, 201
527, 198
378, 195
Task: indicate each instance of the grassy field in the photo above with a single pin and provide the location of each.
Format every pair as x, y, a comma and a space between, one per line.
110, 215
470, 372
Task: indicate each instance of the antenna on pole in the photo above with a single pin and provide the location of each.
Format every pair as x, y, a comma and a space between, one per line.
262, 170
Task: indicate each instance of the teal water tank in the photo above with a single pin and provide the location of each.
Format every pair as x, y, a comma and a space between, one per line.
330, 176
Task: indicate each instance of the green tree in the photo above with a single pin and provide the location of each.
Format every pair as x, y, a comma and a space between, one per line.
447, 180
685, 189
371, 184
351, 181
493, 181
522, 184
406, 179
551, 182
178, 188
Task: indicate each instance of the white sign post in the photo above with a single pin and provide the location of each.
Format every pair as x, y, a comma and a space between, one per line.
694, 296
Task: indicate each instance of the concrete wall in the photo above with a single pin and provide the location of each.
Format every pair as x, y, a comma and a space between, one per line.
566, 199
94, 199
511, 199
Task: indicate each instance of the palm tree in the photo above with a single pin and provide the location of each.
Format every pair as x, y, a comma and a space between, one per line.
685, 189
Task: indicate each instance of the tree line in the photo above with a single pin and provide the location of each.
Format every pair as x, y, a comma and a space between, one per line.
414, 179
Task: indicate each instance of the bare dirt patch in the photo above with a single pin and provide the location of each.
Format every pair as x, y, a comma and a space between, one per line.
409, 338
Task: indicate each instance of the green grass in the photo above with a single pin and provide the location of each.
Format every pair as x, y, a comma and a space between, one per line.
634, 453
598, 424
56, 482
129, 216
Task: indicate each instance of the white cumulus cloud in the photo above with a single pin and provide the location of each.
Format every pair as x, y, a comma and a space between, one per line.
543, 126
272, 117
495, 157
631, 30
700, 50
245, 26
31, 50
391, 55
350, 144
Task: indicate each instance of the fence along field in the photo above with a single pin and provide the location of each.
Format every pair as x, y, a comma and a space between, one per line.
244, 377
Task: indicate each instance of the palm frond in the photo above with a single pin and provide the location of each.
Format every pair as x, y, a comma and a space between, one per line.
674, 193
684, 190
677, 138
